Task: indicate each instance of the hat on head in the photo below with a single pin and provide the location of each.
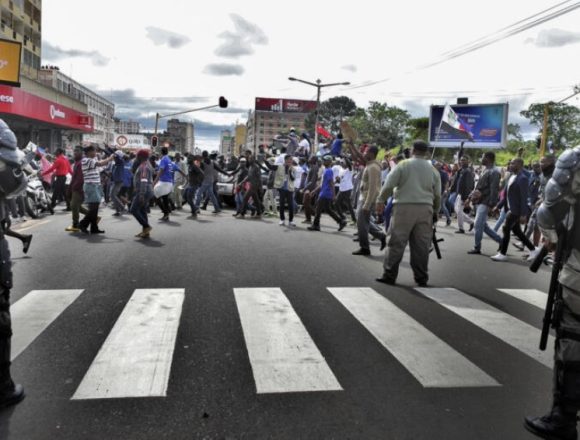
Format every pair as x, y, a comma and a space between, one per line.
327, 158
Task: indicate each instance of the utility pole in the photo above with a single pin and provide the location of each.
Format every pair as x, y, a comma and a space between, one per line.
546, 113
318, 84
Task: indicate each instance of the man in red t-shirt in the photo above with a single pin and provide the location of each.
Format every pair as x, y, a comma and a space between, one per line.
61, 167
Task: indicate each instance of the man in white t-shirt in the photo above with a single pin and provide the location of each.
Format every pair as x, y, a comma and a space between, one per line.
304, 146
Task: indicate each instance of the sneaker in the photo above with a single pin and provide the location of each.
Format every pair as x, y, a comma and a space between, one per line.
146, 232
460, 231
313, 228
448, 222
362, 251
499, 257
342, 225
282, 223
292, 224
26, 243
471, 226
383, 242
117, 214
534, 254
307, 222
474, 252
72, 229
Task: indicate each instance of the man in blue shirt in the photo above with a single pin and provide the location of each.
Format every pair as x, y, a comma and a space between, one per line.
336, 149
326, 198
163, 185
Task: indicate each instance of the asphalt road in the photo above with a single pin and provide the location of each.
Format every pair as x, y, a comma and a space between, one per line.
212, 391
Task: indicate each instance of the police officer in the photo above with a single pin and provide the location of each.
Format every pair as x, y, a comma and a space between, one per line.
561, 208
12, 182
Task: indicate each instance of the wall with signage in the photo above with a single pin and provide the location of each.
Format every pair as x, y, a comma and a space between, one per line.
14, 101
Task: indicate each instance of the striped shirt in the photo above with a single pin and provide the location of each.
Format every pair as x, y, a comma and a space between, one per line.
91, 171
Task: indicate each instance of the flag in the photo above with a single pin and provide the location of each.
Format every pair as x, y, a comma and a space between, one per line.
450, 120
322, 131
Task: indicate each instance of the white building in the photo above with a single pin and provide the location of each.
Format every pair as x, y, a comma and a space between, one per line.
227, 142
127, 127
99, 108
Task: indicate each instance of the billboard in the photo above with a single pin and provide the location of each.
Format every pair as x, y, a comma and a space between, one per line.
487, 122
285, 105
10, 62
130, 141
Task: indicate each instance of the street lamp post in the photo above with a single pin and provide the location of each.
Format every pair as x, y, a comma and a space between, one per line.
318, 84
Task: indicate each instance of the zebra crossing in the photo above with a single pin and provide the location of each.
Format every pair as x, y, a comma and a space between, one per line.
136, 358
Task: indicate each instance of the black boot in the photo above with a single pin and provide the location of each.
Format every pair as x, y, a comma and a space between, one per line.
10, 393
556, 425
12, 396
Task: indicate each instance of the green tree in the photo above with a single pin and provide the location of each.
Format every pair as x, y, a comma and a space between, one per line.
515, 132
563, 122
418, 128
387, 124
332, 112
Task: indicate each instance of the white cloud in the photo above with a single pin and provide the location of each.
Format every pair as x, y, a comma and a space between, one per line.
164, 37
548, 38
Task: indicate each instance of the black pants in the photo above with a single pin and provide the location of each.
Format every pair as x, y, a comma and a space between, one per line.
286, 198
343, 204
90, 219
58, 194
163, 203
253, 193
512, 224
325, 205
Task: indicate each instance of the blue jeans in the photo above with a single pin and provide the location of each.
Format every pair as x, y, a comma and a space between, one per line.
190, 193
451, 202
139, 210
444, 209
500, 220
481, 226
207, 189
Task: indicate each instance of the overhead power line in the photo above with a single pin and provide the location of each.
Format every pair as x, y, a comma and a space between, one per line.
487, 40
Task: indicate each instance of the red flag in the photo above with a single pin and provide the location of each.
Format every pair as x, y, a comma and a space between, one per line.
321, 130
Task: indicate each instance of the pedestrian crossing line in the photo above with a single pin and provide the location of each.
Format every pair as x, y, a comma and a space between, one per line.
283, 356
33, 313
429, 359
512, 331
135, 360
531, 296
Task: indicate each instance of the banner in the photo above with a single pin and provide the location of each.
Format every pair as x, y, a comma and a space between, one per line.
486, 122
130, 141
10, 62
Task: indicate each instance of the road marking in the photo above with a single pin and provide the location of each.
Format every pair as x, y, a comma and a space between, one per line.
283, 356
26, 228
514, 332
531, 296
33, 313
424, 355
135, 360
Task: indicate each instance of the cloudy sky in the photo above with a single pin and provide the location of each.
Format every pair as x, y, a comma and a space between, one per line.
182, 54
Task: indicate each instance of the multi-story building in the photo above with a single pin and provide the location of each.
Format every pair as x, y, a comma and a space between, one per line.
99, 108
180, 134
20, 20
240, 138
127, 127
274, 116
37, 112
227, 143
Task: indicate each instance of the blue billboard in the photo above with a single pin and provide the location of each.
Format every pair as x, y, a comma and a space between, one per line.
487, 123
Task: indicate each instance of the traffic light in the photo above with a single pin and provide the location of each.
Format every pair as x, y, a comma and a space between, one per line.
154, 141
223, 103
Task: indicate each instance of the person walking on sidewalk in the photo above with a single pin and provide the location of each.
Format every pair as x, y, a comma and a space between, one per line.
485, 197
117, 179
416, 189
310, 188
284, 183
326, 198
465, 184
516, 203
163, 184
76, 189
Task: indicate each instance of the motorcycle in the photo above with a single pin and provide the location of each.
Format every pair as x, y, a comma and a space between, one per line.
36, 199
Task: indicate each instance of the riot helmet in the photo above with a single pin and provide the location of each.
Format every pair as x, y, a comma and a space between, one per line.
12, 178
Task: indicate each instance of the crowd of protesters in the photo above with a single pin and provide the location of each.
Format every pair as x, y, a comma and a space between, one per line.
343, 181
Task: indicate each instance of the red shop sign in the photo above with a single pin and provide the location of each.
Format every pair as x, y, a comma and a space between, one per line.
15, 101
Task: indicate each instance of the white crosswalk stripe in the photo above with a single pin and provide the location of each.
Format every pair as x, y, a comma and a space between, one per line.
531, 296
283, 356
137, 356
514, 332
135, 360
428, 358
33, 313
